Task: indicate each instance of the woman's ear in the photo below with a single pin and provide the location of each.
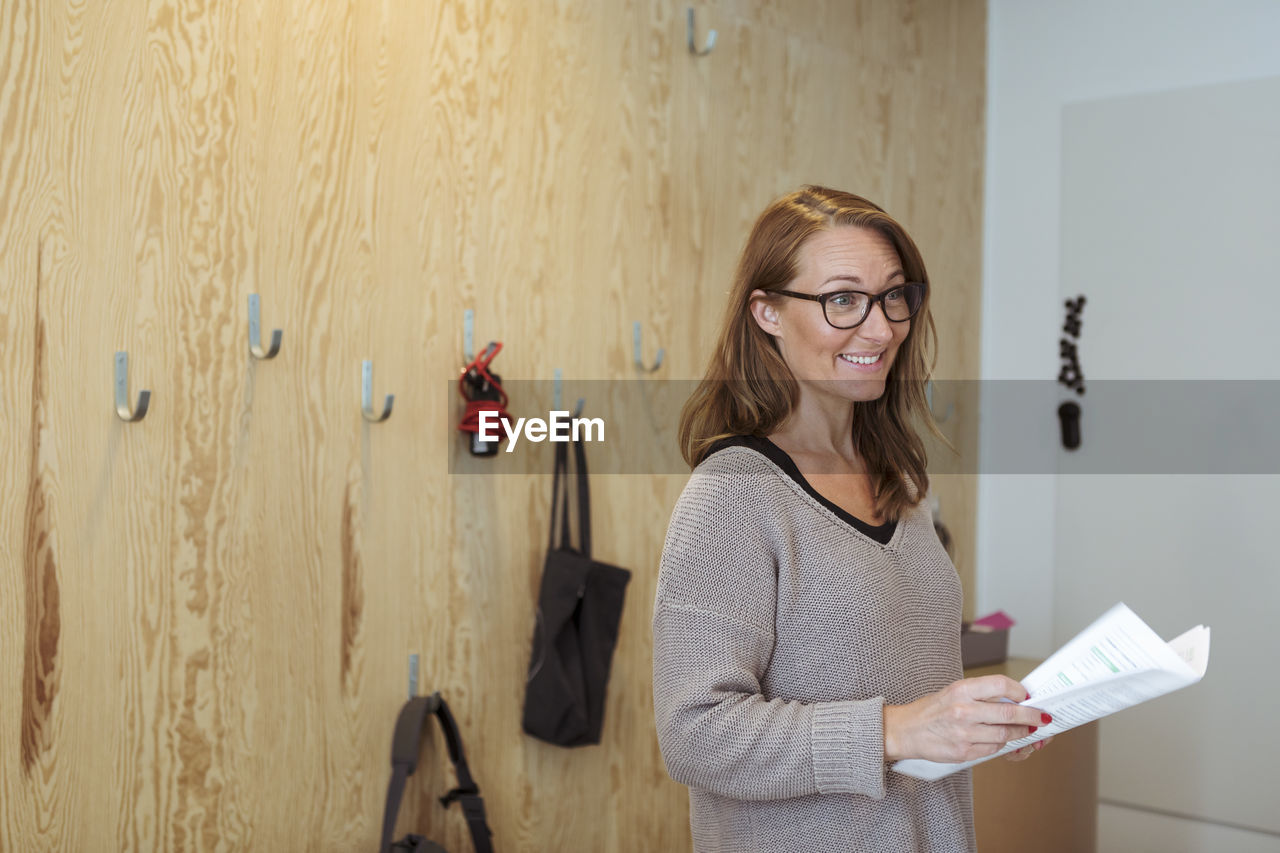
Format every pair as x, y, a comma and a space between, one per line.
764, 312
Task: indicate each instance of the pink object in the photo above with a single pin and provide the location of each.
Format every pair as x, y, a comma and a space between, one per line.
998, 621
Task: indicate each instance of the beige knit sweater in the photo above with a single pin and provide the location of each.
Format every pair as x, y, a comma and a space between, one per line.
779, 632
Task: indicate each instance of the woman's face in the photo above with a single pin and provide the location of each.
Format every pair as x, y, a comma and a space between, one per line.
851, 364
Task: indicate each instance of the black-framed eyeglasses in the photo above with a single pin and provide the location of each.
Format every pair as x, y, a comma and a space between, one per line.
846, 309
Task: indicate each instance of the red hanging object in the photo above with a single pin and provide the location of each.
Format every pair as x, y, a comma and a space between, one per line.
482, 389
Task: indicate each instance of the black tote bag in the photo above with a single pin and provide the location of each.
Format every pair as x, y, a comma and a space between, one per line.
579, 610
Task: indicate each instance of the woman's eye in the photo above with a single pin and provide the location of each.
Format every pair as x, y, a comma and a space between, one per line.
895, 295
841, 300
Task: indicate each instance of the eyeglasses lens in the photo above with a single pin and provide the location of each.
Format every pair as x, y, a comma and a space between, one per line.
851, 308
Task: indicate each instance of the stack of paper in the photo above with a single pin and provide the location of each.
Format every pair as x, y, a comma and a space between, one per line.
1115, 663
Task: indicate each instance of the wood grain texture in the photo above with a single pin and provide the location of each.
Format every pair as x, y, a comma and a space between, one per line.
40, 573
240, 577
352, 584
31, 605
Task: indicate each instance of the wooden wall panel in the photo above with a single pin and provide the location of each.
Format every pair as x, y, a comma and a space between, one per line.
206, 614
26, 556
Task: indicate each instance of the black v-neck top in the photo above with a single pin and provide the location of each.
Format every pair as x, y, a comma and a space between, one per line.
881, 533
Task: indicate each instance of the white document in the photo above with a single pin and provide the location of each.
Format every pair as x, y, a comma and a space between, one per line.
1115, 663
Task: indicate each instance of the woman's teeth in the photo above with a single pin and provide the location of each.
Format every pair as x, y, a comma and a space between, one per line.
861, 359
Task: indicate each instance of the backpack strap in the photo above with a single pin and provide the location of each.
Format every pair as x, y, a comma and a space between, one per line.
405, 748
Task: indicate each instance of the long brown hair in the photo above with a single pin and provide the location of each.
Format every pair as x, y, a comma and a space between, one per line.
748, 388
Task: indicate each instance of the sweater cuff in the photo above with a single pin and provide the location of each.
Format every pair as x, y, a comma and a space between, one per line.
848, 747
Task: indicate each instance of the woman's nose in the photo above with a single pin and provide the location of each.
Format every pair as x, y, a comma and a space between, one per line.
877, 326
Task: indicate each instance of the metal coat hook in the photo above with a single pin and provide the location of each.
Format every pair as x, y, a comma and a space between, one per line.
693, 44
255, 333
637, 340
366, 396
928, 396
556, 396
122, 392
469, 335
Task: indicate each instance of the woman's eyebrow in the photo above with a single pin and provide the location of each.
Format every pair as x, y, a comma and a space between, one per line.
856, 280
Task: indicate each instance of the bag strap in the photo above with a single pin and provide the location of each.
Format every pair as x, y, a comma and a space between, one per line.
560, 499
559, 486
405, 747
584, 497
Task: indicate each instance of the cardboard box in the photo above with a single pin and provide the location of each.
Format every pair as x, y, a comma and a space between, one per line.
981, 648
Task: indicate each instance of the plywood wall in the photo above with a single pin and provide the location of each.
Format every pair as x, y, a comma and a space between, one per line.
205, 615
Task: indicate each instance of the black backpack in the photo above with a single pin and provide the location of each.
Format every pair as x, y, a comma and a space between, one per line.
404, 760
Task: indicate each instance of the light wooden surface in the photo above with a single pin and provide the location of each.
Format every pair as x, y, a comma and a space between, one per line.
1048, 802
206, 615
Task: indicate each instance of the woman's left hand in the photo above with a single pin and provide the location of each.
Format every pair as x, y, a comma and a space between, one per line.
1026, 752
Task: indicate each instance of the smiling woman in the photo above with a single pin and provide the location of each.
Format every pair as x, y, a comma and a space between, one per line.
806, 631
845, 335
827, 246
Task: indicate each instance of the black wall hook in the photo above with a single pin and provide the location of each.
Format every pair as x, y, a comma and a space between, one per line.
1069, 419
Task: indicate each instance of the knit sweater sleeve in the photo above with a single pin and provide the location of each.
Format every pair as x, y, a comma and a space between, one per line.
713, 637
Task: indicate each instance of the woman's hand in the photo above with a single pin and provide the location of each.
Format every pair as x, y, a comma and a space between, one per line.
961, 722
1026, 752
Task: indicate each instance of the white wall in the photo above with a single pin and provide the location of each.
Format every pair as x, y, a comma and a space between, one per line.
1118, 832
1171, 205
1043, 55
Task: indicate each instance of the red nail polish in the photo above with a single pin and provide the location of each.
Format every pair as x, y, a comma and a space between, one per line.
1046, 719
1033, 730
